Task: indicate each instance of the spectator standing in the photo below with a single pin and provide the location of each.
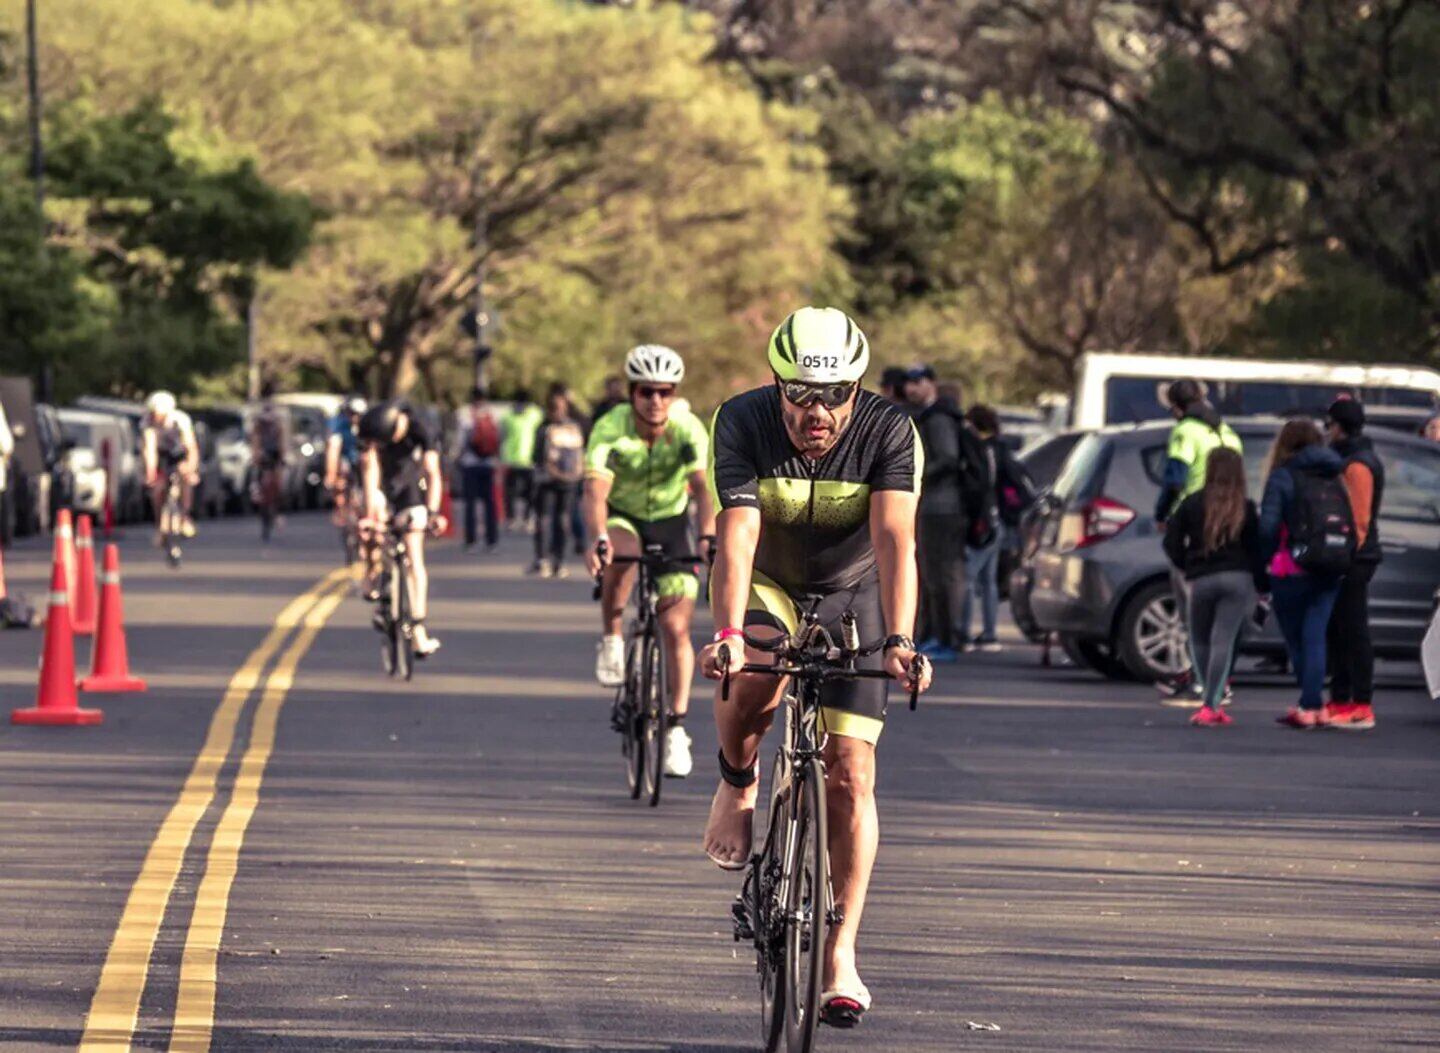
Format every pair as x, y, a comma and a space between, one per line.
559, 467
953, 460
7, 450
1213, 539
893, 386
1012, 494
517, 454
1300, 467
1351, 652
1198, 430
614, 394
479, 451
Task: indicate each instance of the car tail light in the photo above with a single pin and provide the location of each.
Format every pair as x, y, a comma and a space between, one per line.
1095, 521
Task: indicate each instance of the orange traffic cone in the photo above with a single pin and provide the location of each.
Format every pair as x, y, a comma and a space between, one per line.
56, 703
83, 614
65, 548
110, 665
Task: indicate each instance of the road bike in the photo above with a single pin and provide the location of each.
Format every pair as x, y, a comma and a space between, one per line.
642, 699
787, 903
348, 501
269, 477
393, 617
172, 518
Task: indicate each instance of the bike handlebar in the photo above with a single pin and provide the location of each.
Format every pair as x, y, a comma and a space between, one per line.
795, 662
653, 560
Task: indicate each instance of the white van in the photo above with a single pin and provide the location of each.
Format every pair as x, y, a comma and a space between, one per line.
1124, 389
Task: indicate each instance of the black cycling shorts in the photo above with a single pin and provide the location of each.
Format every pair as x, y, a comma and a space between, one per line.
674, 538
852, 708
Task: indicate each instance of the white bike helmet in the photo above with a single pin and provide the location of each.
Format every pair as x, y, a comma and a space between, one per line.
654, 363
819, 345
160, 404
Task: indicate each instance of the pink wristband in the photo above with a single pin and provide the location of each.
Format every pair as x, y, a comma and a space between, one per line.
725, 634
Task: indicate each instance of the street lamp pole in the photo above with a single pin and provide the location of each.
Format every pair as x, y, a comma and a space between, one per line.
37, 149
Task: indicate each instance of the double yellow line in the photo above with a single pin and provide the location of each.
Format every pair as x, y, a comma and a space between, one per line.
115, 1007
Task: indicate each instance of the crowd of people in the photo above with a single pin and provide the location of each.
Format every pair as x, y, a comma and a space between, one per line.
1307, 554
974, 494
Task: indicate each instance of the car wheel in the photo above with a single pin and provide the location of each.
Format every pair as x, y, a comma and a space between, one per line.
1020, 610
1095, 655
1151, 640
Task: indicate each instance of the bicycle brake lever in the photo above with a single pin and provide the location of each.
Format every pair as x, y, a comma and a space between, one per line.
915, 680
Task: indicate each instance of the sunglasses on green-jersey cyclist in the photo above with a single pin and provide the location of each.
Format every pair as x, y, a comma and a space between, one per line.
831, 396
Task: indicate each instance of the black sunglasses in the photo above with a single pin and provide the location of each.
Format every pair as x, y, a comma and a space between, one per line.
647, 392
831, 396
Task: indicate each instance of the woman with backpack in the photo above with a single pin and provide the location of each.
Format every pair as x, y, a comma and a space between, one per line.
559, 467
1304, 521
1213, 539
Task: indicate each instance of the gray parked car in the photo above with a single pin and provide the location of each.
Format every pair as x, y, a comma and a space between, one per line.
1098, 577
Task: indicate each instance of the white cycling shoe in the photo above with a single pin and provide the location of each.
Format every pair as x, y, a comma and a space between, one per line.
678, 762
610, 661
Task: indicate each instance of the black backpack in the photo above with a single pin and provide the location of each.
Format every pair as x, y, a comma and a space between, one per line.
977, 477
1321, 524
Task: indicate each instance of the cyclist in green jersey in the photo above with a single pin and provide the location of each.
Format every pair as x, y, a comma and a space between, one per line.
643, 464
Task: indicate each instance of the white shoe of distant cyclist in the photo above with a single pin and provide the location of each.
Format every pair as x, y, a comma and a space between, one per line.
610, 661
678, 762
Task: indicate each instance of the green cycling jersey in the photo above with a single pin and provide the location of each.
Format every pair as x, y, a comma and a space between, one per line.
648, 481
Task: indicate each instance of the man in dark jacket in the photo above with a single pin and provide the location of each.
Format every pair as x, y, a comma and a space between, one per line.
1352, 655
953, 459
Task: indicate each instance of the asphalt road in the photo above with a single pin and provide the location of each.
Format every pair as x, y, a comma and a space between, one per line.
452, 864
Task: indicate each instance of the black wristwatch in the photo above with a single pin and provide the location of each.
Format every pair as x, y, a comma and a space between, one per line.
900, 641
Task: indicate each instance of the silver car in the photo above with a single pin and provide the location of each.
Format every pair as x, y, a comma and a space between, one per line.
1099, 578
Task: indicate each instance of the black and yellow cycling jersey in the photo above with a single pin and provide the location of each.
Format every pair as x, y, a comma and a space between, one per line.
814, 514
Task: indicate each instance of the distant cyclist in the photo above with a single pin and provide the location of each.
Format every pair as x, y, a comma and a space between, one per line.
817, 483
400, 466
342, 461
169, 446
269, 441
644, 464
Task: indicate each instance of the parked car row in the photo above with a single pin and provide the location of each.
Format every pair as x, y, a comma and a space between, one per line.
77, 456
1092, 569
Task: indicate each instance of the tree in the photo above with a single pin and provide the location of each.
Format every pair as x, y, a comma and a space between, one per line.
1286, 128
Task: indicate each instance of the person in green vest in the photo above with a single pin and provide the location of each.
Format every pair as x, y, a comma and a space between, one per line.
517, 454
1198, 431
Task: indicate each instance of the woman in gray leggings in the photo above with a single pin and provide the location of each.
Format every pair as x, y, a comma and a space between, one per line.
1214, 540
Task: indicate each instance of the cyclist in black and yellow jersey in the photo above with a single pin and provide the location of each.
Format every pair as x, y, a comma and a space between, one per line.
817, 483
644, 463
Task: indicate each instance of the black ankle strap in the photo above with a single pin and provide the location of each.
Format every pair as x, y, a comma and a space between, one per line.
740, 778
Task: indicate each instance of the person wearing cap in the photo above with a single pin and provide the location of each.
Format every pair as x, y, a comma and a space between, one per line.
893, 385
956, 483
1351, 653
1198, 430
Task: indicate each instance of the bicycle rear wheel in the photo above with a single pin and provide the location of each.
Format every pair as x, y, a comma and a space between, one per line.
651, 718
806, 910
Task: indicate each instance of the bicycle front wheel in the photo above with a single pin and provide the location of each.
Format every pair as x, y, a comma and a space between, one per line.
401, 628
767, 875
807, 904
652, 718
632, 717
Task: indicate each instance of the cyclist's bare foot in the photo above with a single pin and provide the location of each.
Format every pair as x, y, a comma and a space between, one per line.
841, 974
729, 829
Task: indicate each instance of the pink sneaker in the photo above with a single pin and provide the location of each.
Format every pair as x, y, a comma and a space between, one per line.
1211, 718
1303, 719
